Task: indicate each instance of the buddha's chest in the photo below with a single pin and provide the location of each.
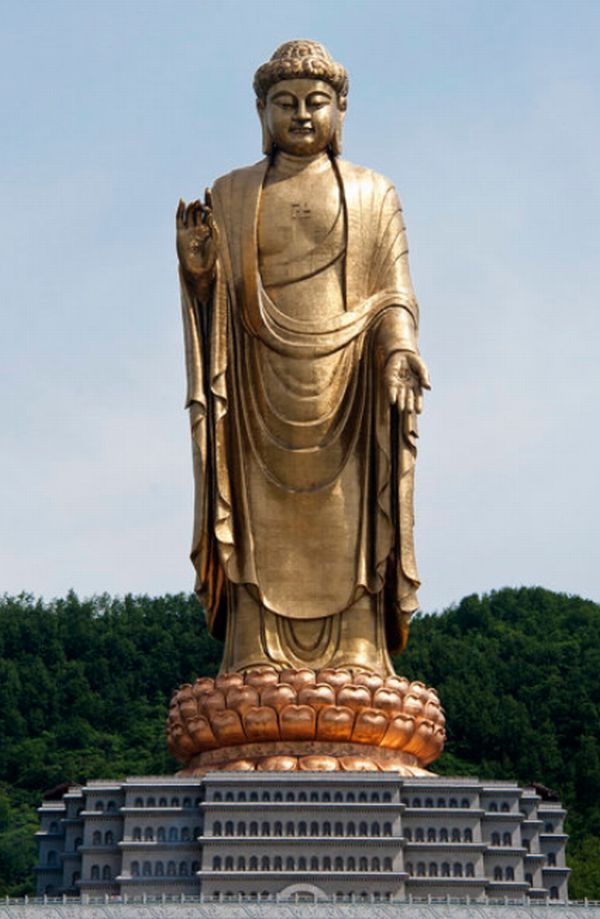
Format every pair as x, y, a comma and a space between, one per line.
300, 214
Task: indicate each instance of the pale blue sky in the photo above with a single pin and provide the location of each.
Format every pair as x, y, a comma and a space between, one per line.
487, 117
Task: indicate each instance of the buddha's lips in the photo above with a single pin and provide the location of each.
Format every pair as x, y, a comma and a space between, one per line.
302, 130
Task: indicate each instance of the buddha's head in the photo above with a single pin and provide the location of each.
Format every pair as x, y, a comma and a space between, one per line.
301, 96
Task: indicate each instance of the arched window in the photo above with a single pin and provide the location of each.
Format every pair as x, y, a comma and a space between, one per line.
216, 863
78, 842
419, 834
302, 796
527, 844
351, 829
289, 863
327, 828
408, 834
302, 863
445, 870
241, 829
277, 796
314, 863
387, 864
468, 836
416, 802
96, 841
290, 829
278, 828
302, 828
195, 867
314, 796
362, 797
465, 802
147, 869
229, 828
351, 863
95, 873
433, 870
452, 802
106, 873
506, 839
387, 829
363, 863
554, 893
187, 802
387, 796
253, 863
431, 834
326, 796
421, 870
265, 863
470, 870
217, 829
253, 796
159, 870
171, 869
229, 796
504, 807
497, 874
510, 874
493, 807
229, 863
174, 802
185, 834
217, 796
375, 864
408, 867
183, 869
350, 797
162, 802
148, 834
289, 796
548, 828
441, 802
458, 870
241, 796
375, 829
339, 863
75, 878
174, 835
265, 829
428, 802
443, 834
277, 863
99, 806
241, 863
135, 869
326, 863
53, 828
455, 835
338, 829
266, 796
363, 829
551, 857
338, 796
109, 838
495, 839
253, 828
137, 833
529, 879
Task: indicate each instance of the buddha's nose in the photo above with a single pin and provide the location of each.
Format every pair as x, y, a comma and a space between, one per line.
302, 113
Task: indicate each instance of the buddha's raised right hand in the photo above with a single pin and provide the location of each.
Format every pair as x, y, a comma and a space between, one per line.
197, 237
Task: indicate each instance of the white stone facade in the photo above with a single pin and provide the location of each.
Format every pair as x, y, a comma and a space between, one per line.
342, 836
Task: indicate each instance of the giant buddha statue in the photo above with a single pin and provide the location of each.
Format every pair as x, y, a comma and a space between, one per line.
304, 386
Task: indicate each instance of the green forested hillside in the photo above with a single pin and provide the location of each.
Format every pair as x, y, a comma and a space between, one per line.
85, 684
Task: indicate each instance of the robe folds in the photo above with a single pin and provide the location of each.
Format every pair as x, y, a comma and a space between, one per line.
303, 473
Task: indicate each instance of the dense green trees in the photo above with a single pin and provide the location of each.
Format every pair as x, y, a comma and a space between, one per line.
84, 687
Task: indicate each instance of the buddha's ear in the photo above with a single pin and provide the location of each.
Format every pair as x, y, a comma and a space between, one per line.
267, 140
336, 142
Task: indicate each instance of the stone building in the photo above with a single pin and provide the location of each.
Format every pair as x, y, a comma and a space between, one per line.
348, 836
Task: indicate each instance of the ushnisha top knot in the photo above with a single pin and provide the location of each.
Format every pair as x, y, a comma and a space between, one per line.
302, 59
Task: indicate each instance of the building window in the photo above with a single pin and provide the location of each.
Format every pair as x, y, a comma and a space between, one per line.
455, 835
216, 863
159, 870
314, 863
151, 802
338, 829
529, 879
363, 864
506, 839
289, 863
443, 834
458, 871
163, 802
421, 870
148, 834
254, 828
96, 838
53, 828
253, 796
174, 802
409, 867
493, 807
350, 797
217, 828
326, 796
351, 863
241, 795
554, 893
106, 873
526, 844
375, 829
241, 829
171, 869
495, 839
362, 797
278, 863
302, 863
551, 859
326, 863
278, 828
187, 802
465, 802
470, 870
217, 796
95, 873
174, 834
339, 863
290, 830
445, 870
109, 838
229, 828
183, 869
497, 874
229, 863
387, 829
504, 807
229, 796
302, 796
99, 806
147, 869
431, 834
468, 836
265, 864
277, 796
433, 870
441, 802
408, 834
351, 829
111, 807
510, 874
416, 802
326, 828
453, 802
387, 796
549, 828
428, 802
135, 869
289, 796
253, 863
302, 828
185, 834
387, 864
375, 864
419, 835
363, 829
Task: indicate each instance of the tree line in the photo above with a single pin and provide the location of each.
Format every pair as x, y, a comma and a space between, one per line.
85, 685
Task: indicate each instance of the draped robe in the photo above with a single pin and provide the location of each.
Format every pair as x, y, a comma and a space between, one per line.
303, 473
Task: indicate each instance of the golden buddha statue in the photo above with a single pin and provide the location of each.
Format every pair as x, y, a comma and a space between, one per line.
304, 383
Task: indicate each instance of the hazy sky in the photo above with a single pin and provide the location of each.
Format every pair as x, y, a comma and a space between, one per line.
485, 114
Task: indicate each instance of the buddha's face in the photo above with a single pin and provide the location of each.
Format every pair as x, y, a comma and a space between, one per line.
301, 115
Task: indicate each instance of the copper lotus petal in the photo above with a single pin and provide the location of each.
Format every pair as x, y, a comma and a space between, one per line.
242, 698
399, 732
202, 733
355, 697
227, 727
432, 710
419, 744
182, 744
397, 684
388, 701
369, 727
298, 722
227, 681
436, 745
206, 684
184, 692
278, 696
358, 764
240, 765
298, 678
334, 677
318, 762
211, 702
261, 723
261, 678
335, 723
364, 678
188, 708
412, 705
278, 764
419, 690
317, 696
